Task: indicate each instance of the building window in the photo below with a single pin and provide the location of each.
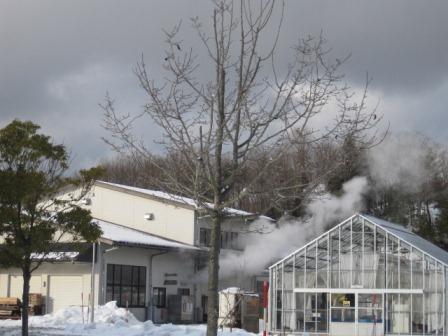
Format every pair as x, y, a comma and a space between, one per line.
204, 237
126, 285
228, 239
183, 291
159, 297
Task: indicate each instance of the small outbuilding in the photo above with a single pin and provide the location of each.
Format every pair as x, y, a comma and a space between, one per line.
364, 277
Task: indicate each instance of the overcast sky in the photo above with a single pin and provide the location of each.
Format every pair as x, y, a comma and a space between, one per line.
59, 58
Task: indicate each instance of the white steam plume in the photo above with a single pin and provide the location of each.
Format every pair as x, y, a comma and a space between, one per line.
261, 249
400, 161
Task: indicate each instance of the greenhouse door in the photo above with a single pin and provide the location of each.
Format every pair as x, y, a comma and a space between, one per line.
370, 314
343, 312
356, 314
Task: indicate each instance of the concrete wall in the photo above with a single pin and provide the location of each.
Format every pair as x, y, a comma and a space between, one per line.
169, 266
164, 266
128, 209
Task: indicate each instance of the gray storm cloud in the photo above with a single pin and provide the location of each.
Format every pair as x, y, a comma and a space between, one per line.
402, 44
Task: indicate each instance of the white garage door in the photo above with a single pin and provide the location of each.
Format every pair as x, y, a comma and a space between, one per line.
65, 291
16, 285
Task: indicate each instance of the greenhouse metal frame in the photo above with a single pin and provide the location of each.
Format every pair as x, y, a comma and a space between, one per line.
363, 277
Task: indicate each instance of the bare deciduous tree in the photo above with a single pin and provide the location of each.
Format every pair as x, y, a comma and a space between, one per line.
249, 103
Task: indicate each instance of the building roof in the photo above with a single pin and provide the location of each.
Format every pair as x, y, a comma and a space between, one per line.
411, 238
122, 235
179, 200
396, 230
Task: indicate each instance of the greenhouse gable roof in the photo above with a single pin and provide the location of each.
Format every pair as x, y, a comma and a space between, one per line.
410, 238
396, 230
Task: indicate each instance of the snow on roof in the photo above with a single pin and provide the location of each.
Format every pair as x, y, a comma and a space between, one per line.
56, 256
124, 235
176, 198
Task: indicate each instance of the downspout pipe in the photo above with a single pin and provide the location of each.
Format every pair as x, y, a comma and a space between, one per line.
92, 285
150, 303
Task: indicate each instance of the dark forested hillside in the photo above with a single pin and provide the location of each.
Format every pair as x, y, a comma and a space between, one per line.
407, 173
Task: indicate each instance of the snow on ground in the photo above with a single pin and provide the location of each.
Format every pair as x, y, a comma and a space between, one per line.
109, 321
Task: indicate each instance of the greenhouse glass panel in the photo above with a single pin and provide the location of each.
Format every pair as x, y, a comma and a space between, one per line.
311, 266
392, 262
288, 269
300, 269
300, 312
370, 257
417, 269
310, 310
381, 258
357, 255
322, 262
417, 314
405, 266
440, 283
345, 257
321, 313
431, 314
334, 258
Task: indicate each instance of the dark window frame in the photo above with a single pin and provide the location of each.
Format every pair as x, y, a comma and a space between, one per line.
183, 291
132, 280
228, 239
204, 237
159, 297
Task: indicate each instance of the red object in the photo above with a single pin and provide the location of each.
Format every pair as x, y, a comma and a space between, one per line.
265, 306
265, 293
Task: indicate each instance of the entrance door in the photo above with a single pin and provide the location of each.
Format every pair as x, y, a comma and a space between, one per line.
355, 314
65, 291
343, 314
370, 314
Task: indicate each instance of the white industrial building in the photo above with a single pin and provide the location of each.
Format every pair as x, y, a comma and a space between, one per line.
364, 277
152, 247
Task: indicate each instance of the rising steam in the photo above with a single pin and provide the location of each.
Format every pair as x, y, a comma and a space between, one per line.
399, 161
260, 249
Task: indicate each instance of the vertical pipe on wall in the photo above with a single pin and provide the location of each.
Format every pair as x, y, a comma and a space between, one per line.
375, 258
362, 253
293, 293
150, 285
92, 285
444, 300
351, 252
283, 298
339, 258
268, 323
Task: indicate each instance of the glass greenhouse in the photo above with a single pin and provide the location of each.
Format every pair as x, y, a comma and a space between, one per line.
363, 277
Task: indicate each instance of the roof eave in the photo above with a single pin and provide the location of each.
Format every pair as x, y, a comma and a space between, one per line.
143, 195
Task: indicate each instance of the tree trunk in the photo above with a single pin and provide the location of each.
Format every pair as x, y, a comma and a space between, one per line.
25, 299
213, 275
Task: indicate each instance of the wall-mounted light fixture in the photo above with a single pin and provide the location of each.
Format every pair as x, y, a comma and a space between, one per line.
148, 216
86, 201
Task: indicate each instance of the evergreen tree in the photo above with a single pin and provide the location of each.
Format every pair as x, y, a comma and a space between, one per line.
33, 216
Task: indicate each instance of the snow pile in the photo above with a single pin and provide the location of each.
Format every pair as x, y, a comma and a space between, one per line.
107, 314
232, 290
109, 321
